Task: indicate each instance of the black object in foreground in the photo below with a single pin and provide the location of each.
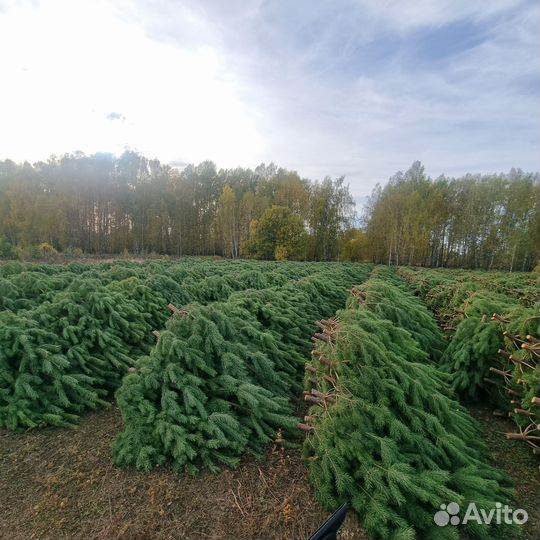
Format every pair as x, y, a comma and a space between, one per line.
329, 529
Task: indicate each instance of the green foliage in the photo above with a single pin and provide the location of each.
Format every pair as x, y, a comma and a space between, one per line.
6, 249
449, 289
9, 294
394, 303
39, 384
211, 390
140, 207
279, 234
62, 357
470, 354
99, 317
288, 312
517, 374
477, 221
219, 381
389, 438
464, 303
473, 348
331, 213
169, 288
354, 246
34, 287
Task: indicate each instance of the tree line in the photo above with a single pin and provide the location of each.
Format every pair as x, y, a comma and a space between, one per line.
102, 204
477, 221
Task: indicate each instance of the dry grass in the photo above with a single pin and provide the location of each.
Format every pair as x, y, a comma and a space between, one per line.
62, 484
517, 460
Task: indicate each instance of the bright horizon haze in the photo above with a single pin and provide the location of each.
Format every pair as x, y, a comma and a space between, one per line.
356, 88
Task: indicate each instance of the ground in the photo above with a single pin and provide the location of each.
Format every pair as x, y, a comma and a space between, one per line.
517, 460
62, 484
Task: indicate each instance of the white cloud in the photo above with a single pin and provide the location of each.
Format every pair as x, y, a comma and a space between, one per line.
67, 64
327, 89
409, 15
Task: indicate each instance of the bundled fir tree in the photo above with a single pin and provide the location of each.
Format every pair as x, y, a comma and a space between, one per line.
99, 327
166, 287
39, 385
10, 296
210, 289
464, 303
483, 302
11, 268
67, 354
212, 389
100, 319
289, 312
521, 321
402, 308
517, 374
255, 279
39, 286
218, 383
473, 348
148, 302
470, 354
443, 293
26, 290
384, 434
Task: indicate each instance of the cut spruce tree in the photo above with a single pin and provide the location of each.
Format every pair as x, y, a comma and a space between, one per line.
66, 355
384, 433
38, 383
398, 305
99, 319
470, 355
464, 303
219, 382
516, 376
213, 389
473, 347
289, 312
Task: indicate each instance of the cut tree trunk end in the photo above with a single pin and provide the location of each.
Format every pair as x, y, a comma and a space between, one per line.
313, 399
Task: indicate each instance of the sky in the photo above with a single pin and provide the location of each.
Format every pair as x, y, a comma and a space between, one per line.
360, 88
